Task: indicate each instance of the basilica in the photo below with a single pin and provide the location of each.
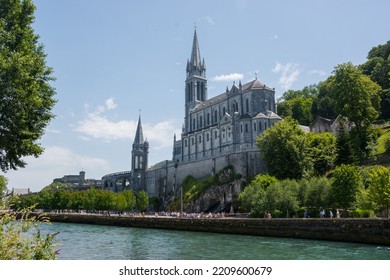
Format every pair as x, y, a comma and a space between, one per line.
217, 132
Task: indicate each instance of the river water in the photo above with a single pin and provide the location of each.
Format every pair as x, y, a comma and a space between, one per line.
95, 242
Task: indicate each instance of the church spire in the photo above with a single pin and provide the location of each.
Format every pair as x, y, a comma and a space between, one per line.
139, 136
195, 65
195, 54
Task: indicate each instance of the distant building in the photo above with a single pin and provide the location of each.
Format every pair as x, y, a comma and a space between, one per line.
78, 181
320, 125
19, 192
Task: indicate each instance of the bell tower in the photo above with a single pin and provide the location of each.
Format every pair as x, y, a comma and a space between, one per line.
196, 82
139, 158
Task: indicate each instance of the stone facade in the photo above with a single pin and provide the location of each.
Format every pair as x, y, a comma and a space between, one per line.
217, 132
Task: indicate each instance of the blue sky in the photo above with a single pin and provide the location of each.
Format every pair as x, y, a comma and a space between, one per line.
114, 58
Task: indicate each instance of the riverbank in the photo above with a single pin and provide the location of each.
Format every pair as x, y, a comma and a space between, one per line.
370, 231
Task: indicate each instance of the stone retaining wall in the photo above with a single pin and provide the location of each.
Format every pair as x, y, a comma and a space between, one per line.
373, 231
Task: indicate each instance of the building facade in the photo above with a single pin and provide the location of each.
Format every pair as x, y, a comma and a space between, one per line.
217, 132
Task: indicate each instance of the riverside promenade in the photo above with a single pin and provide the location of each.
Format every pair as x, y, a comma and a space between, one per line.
365, 230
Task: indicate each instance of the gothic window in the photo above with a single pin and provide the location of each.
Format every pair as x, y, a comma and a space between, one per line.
207, 137
208, 119
136, 162
247, 105
202, 92
200, 122
215, 116
140, 162
265, 126
223, 111
192, 141
215, 134
235, 106
260, 128
200, 139
185, 143
246, 127
193, 124
254, 126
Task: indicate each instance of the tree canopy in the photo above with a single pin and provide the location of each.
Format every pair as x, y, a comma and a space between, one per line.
26, 96
282, 146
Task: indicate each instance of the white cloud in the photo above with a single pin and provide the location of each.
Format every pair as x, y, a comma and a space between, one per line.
55, 162
98, 126
209, 20
288, 74
110, 104
229, 77
320, 73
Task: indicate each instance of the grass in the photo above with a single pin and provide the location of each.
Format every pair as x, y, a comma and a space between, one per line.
383, 138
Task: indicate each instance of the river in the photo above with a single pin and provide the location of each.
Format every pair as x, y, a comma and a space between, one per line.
95, 242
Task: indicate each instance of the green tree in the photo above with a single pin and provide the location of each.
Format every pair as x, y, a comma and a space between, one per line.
298, 108
318, 193
120, 202
345, 152
377, 67
379, 187
283, 147
131, 199
346, 183
321, 149
252, 197
357, 98
21, 239
3, 186
324, 104
287, 200
26, 96
298, 104
142, 200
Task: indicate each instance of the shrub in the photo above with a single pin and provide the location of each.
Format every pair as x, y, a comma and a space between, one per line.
21, 239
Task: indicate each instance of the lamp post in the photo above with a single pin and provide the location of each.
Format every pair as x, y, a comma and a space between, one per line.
181, 201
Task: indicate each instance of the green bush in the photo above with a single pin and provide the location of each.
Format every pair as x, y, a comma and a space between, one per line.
361, 213
21, 239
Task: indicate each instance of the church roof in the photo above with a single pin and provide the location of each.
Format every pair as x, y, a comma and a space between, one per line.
260, 116
255, 84
273, 115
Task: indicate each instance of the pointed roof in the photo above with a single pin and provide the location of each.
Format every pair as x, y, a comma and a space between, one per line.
139, 136
195, 54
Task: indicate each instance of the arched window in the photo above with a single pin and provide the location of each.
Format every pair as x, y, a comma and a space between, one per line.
208, 119
247, 105
200, 122
235, 106
215, 116
223, 111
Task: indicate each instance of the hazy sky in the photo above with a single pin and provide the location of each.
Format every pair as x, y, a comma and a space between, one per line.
114, 58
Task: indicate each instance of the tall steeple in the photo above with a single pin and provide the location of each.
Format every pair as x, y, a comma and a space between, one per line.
139, 157
139, 136
195, 54
196, 82
196, 66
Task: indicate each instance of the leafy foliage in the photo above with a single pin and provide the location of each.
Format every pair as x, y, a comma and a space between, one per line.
379, 187
62, 198
282, 146
346, 183
253, 196
21, 239
321, 150
26, 96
